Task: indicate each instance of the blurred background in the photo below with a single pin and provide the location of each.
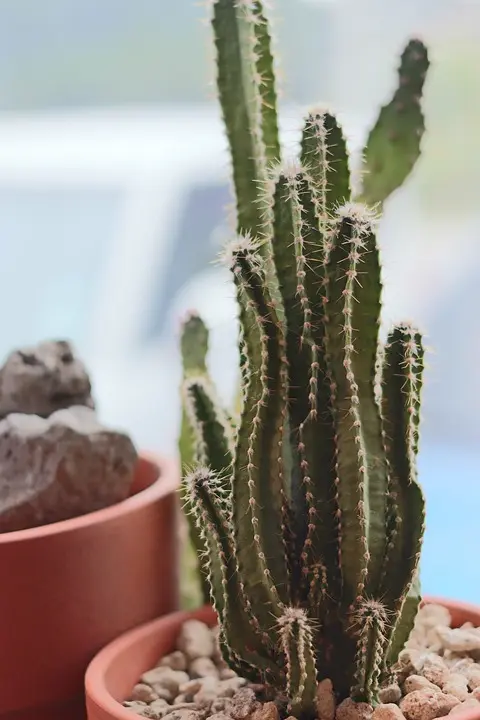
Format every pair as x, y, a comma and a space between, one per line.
114, 180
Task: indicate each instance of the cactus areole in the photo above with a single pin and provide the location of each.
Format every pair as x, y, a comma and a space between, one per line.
308, 508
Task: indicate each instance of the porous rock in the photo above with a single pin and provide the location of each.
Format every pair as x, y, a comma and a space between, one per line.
390, 693
196, 640
60, 467
427, 704
143, 693
203, 667
266, 711
243, 705
350, 710
418, 682
325, 700
460, 640
387, 711
42, 379
176, 661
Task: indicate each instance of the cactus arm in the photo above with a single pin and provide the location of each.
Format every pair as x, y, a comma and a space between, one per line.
296, 639
372, 622
194, 349
257, 499
264, 67
298, 252
243, 647
324, 156
394, 143
244, 65
211, 426
354, 436
405, 623
364, 282
402, 380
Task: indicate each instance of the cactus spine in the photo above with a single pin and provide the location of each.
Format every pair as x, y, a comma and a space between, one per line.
310, 512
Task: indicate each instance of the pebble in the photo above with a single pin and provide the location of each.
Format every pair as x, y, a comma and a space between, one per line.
164, 678
390, 693
175, 661
427, 704
143, 693
465, 705
196, 640
435, 670
418, 682
203, 667
388, 711
350, 710
243, 705
266, 711
325, 700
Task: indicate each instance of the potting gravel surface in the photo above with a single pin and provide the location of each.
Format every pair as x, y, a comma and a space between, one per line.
438, 675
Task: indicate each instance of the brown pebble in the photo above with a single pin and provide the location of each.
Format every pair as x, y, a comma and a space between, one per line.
196, 640
350, 710
435, 670
456, 685
144, 693
164, 677
175, 661
243, 704
183, 714
388, 711
465, 705
473, 676
266, 711
203, 667
390, 693
418, 682
427, 704
191, 687
325, 700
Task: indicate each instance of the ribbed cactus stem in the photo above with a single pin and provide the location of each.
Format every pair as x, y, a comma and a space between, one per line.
371, 622
401, 394
258, 519
247, 94
211, 425
243, 647
296, 639
324, 157
394, 143
194, 349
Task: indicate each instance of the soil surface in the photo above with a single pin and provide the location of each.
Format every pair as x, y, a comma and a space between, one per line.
438, 675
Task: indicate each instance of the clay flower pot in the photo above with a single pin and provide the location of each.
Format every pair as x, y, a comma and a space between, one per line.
71, 587
116, 669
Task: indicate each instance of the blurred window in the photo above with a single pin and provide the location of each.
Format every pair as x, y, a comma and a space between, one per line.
196, 244
54, 244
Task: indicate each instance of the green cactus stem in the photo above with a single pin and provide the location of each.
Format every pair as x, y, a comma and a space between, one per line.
393, 145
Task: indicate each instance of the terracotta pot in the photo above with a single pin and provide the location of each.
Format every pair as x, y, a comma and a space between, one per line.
71, 587
116, 669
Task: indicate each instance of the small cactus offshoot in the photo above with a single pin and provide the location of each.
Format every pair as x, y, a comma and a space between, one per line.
307, 513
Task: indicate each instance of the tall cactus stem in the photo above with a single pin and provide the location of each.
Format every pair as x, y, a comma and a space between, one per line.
296, 638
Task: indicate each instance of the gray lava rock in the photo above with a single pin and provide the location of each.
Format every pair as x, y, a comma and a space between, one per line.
42, 379
61, 467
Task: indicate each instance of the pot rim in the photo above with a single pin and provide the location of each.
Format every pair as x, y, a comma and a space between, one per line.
98, 667
166, 483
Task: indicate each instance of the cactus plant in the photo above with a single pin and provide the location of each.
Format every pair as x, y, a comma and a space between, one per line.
309, 512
